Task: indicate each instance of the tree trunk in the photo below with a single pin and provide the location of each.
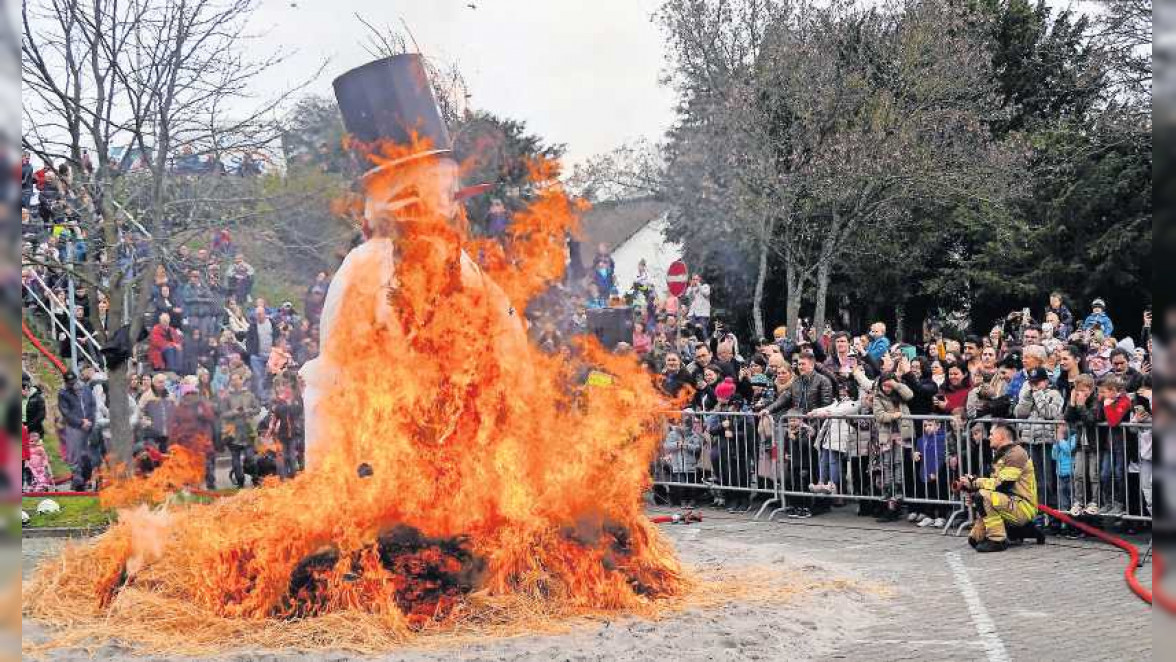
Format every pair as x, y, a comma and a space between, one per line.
899, 320
121, 434
761, 275
795, 284
823, 274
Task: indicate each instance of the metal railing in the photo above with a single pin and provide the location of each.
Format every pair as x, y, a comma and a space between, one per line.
728, 456
86, 345
805, 461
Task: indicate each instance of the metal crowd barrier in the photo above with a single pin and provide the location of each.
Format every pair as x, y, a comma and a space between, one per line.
1109, 467
806, 461
727, 456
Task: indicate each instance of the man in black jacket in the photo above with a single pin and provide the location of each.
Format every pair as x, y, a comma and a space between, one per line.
75, 402
674, 376
807, 392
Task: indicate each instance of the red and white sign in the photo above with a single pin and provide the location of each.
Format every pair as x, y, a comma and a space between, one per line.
677, 277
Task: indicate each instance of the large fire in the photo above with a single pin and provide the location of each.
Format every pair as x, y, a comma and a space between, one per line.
459, 477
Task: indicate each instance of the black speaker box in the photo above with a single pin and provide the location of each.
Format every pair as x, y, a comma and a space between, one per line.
611, 325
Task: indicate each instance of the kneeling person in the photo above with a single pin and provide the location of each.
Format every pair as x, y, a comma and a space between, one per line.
1007, 498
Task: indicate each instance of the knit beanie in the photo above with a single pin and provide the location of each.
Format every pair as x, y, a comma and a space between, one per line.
725, 390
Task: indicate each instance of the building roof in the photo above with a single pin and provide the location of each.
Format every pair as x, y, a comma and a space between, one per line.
614, 222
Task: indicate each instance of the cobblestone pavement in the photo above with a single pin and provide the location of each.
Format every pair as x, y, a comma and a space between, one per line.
1066, 600
1063, 601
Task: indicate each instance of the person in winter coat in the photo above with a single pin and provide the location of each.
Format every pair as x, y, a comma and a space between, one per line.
896, 432
164, 345
679, 456
193, 426
807, 391
1081, 415
1113, 409
157, 407
1099, 317
879, 343
953, 394
1062, 454
988, 395
915, 374
704, 395
285, 427
674, 376
32, 406
1065, 317
75, 403
834, 440
1039, 400
735, 443
699, 311
238, 407
930, 459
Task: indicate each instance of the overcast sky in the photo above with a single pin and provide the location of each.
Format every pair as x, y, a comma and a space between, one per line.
581, 72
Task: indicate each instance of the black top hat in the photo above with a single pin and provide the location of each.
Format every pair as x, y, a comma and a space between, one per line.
391, 99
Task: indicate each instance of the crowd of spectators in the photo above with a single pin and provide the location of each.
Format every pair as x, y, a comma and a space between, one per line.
871, 416
215, 369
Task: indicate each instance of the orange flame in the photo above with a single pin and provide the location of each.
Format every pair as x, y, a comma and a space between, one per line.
512, 479
181, 468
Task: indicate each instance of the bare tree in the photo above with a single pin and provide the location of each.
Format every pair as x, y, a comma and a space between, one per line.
163, 76
805, 124
632, 170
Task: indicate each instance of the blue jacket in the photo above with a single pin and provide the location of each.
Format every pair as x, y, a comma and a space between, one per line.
1101, 318
1062, 454
76, 406
878, 347
1015, 384
934, 451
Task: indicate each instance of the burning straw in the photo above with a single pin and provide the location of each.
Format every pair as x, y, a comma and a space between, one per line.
462, 482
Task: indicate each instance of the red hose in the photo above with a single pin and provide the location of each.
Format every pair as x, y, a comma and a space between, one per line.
41, 348
1132, 552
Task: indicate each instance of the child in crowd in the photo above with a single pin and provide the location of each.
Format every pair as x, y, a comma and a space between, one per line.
680, 449
1114, 407
39, 477
1080, 415
1062, 454
835, 439
930, 458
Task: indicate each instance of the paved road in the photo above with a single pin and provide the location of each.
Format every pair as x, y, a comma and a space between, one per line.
1064, 601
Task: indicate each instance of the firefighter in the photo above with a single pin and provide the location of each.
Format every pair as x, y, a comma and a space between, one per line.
1006, 499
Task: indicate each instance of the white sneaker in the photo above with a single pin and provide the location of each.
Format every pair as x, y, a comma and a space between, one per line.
831, 488
925, 522
914, 517
1091, 508
1076, 510
939, 523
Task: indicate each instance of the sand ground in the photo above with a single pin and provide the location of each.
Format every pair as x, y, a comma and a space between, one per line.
916, 595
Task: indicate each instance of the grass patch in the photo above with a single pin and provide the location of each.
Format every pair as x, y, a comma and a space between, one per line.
76, 511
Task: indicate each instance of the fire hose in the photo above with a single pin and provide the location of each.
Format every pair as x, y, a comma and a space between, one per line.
965, 484
1132, 554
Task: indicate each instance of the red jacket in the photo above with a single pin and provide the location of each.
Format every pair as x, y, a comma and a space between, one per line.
1116, 412
161, 338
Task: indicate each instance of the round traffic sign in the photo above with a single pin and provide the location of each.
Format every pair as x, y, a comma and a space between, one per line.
676, 278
